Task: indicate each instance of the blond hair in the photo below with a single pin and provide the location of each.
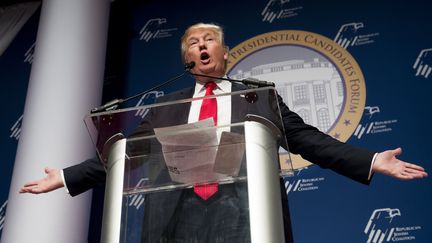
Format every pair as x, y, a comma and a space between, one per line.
213, 27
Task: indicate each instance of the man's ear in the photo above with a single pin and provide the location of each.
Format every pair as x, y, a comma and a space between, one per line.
226, 53
185, 59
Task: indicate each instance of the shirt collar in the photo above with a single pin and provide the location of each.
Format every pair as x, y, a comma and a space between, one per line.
222, 86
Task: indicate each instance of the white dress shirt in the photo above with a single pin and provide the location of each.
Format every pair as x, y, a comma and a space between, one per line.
223, 103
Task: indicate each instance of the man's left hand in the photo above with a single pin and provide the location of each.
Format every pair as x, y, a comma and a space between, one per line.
386, 163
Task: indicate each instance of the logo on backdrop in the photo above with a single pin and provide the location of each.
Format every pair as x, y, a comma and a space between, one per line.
29, 54
316, 77
302, 185
154, 29
2, 215
142, 101
351, 35
423, 63
381, 228
279, 9
137, 200
369, 126
16, 128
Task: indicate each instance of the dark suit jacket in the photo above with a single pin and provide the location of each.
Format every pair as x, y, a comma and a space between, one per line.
303, 139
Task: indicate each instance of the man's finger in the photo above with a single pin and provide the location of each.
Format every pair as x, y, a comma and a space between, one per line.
415, 167
397, 151
32, 183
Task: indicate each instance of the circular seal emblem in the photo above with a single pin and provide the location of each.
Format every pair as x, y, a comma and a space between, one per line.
317, 78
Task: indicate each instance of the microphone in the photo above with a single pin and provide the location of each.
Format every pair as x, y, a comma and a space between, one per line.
257, 82
189, 65
113, 104
250, 82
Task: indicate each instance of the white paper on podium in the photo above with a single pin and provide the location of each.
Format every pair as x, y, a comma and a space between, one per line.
190, 155
229, 154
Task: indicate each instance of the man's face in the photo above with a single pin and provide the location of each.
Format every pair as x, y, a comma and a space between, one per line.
206, 50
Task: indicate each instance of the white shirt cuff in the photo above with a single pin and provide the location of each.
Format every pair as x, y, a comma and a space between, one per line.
64, 181
372, 163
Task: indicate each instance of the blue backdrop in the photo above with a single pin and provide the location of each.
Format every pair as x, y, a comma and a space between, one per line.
390, 41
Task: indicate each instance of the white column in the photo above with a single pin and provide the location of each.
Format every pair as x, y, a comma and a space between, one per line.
65, 83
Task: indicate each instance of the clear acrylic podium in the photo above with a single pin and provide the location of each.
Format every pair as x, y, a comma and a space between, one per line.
150, 152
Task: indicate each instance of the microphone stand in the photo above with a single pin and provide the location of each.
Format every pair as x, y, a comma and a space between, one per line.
113, 104
250, 82
250, 97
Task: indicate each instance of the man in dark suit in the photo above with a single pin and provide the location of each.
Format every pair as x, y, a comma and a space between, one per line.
204, 45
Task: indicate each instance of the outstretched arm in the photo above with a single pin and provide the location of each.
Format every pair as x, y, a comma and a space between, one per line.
386, 163
77, 178
51, 182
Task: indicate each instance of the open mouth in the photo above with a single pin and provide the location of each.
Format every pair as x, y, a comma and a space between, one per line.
205, 57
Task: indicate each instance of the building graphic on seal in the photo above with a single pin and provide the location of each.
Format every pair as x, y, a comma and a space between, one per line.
313, 89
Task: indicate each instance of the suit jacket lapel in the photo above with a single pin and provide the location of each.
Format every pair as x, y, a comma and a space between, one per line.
175, 114
239, 106
184, 109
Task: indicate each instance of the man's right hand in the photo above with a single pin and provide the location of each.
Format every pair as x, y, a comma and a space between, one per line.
51, 182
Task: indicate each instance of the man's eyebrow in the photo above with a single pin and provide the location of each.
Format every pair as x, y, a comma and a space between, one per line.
191, 38
209, 34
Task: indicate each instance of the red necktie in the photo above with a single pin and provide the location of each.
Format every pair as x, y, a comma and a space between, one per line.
208, 109
209, 106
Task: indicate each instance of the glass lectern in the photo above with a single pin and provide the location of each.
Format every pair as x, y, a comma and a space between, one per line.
153, 156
